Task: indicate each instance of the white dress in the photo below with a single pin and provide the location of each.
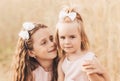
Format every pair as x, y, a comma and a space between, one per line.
40, 74
73, 69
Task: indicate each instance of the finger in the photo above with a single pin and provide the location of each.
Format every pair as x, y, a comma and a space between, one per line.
91, 71
89, 67
86, 62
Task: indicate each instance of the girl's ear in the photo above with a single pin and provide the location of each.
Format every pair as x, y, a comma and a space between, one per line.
31, 53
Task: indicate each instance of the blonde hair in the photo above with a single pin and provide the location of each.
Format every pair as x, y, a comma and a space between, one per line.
23, 64
84, 39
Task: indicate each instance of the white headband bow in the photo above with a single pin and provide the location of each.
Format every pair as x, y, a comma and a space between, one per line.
71, 15
24, 33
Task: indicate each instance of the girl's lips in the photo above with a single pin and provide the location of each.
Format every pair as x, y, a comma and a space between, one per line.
52, 50
68, 47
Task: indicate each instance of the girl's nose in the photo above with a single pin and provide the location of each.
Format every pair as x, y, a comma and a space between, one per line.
67, 41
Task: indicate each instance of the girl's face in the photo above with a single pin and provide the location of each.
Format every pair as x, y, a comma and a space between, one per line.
43, 46
69, 37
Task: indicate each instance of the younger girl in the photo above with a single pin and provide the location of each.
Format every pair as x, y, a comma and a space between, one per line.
36, 57
77, 62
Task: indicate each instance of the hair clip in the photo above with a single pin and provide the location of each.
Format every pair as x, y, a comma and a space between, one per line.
71, 15
27, 26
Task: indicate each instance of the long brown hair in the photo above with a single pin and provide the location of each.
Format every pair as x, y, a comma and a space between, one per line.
85, 42
23, 64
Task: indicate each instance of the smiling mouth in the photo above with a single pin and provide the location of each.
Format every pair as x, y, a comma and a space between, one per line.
68, 47
52, 50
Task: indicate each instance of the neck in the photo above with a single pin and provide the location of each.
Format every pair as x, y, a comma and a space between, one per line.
46, 64
75, 55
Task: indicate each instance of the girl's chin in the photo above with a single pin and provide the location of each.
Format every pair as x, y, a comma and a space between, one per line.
54, 54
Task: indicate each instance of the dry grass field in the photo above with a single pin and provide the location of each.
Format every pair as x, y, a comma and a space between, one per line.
101, 21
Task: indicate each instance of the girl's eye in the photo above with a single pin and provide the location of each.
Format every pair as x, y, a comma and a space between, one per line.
51, 38
72, 36
62, 37
43, 42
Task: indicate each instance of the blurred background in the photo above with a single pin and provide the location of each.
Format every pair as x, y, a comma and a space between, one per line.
101, 21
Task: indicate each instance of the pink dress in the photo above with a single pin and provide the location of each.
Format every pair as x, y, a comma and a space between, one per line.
73, 69
40, 74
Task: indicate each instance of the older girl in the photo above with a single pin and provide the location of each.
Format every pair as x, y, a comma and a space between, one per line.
36, 57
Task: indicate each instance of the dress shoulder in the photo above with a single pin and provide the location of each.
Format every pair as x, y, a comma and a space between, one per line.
89, 55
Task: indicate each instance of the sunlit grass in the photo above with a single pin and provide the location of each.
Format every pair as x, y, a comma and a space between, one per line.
101, 21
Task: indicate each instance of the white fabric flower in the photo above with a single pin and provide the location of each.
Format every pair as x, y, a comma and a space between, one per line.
71, 15
28, 26
24, 35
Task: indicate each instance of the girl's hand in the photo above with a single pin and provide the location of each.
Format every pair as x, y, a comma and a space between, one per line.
92, 66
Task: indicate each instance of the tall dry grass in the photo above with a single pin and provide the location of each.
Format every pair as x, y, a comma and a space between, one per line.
101, 20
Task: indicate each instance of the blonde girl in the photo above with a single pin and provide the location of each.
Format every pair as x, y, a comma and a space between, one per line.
36, 57
77, 62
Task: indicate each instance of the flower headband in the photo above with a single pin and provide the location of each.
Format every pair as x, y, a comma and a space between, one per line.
27, 26
71, 15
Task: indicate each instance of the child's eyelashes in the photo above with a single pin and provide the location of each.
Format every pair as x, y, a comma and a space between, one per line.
51, 38
72, 36
62, 37
43, 42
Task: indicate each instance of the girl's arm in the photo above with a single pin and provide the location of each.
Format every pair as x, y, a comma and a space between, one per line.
99, 77
106, 76
60, 71
95, 71
95, 77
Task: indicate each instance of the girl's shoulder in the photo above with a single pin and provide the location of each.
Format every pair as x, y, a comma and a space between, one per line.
89, 55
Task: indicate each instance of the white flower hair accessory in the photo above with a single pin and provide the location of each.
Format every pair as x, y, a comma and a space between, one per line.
27, 26
24, 35
71, 15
